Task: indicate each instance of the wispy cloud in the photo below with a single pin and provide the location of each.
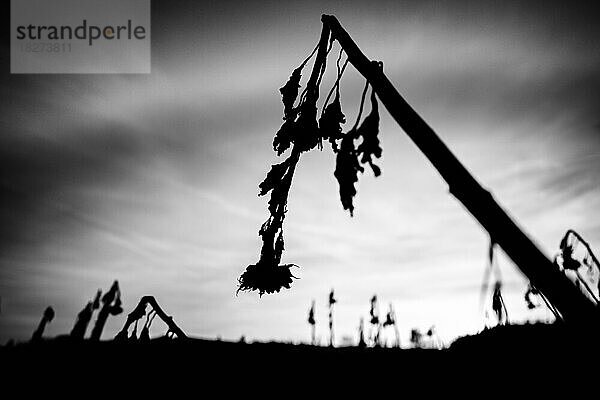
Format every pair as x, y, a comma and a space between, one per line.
153, 179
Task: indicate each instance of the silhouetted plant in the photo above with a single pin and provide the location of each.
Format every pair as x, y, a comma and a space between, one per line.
375, 325
390, 320
332, 301
361, 334
433, 338
85, 316
139, 312
301, 132
47, 317
586, 259
111, 305
415, 337
498, 305
312, 322
430, 333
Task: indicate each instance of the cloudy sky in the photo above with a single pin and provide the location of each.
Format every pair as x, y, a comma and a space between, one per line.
153, 179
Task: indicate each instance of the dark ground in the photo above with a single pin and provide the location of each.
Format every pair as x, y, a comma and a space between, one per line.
502, 358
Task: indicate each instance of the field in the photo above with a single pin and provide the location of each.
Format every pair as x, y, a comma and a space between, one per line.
497, 357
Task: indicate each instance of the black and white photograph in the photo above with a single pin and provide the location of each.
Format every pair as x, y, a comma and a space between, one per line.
298, 193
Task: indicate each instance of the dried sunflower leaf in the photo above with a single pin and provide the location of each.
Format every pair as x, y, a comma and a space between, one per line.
346, 172
369, 131
307, 135
350, 158
274, 177
330, 123
284, 137
289, 92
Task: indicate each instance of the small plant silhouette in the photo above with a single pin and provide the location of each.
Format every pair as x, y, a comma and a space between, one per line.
375, 325
332, 301
361, 334
433, 339
312, 322
139, 312
390, 320
47, 317
111, 305
416, 337
85, 316
498, 305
